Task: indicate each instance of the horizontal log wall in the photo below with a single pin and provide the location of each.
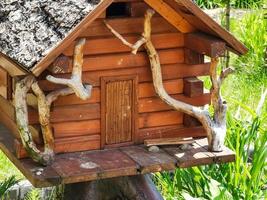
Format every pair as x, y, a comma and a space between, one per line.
76, 123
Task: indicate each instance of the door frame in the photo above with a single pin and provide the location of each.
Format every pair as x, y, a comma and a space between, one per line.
104, 81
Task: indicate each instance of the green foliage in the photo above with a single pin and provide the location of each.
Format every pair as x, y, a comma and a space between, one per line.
252, 32
33, 195
243, 179
7, 184
208, 4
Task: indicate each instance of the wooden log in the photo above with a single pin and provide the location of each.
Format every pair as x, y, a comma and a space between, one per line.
192, 57
173, 71
65, 145
112, 45
193, 87
63, 64
167, 141
169, 132
154, 104
74, 129
127, 26
145, 90
205, 44
69, 113
160, 119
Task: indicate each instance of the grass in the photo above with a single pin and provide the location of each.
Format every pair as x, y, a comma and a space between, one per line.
7, 169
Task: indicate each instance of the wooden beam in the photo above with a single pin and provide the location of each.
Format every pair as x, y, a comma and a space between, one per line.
192, 57
205, 44
171, 15
11, 67
193, 87
167, 141
54, 53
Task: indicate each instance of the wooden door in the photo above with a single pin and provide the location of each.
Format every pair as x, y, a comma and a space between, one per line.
118, 107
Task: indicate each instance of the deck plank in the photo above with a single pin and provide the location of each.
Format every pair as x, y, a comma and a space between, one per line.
150, 161
102, 164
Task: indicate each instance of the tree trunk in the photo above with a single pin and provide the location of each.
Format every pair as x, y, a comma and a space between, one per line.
123, 188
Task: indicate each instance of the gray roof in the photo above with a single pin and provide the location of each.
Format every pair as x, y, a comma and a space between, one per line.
30, 28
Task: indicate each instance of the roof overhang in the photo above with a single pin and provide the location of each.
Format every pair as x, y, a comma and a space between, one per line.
56, 51
11, 67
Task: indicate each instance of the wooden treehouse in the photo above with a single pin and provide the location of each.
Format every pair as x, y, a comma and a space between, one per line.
87, 86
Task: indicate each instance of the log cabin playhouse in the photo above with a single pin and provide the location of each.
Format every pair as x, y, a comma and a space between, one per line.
92, 80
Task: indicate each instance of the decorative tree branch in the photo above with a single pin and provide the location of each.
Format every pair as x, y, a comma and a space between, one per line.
44, 103
215, 126
75, 82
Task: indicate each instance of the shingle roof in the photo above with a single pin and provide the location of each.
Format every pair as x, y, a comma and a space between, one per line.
29, 29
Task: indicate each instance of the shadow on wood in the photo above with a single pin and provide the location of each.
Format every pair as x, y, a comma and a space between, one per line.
138, 187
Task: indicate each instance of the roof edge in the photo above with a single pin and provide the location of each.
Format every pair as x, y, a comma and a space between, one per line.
79, 28
13, 68
237, 46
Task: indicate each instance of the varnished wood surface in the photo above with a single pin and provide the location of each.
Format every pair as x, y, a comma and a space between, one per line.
102, 164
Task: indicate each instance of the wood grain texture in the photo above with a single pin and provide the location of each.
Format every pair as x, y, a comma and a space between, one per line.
118, 110
170, 132
117, 61
127, 26
171, 15
112, 45
169, 72
205, 44
102, 164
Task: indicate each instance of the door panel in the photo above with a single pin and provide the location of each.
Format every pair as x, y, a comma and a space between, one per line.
118, 107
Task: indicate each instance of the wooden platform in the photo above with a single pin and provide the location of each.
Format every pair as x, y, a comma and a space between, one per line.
127, 161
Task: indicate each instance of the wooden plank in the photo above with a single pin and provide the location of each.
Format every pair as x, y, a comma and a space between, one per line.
101, 164
69, 113
79, 128
127, 26
154, 104
193, 87
3, 77
201, 19
113, 45
145, 90
11, 67
169, 72
56, 51
65, 145
194, 156
117, 61
79, 167
170, 131
205, 44
167, 141
171, 15
150, 161
225, 156
160, 119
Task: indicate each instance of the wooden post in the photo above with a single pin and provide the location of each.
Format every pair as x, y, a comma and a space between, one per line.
139, 187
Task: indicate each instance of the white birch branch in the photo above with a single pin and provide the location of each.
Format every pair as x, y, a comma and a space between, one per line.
75, 82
